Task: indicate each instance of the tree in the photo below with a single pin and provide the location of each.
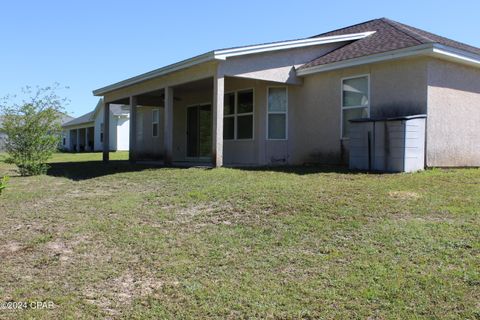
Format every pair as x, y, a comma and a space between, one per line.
33, 128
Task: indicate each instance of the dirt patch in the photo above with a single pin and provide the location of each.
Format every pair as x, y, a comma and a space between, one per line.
404, 195
11, 247
85, 193
116, 293
433, 217
59, 249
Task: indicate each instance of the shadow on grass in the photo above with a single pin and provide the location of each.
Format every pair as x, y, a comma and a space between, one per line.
302, 170
92, 169
85, 170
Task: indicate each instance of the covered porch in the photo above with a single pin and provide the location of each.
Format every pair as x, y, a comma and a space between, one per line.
81, 138
212, 121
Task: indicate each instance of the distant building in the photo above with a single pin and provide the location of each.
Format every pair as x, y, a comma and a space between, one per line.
85, 133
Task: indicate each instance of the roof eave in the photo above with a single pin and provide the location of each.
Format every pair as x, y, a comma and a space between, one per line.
456, 55
389, 55
66, 125
429, 49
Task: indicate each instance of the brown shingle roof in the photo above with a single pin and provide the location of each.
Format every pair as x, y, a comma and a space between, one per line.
390, 35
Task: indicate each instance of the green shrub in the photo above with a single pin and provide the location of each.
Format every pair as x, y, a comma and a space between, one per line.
33, 129
3, 183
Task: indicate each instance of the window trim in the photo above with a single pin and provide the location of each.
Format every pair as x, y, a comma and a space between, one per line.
342, 108
157, 123
277, 112
235, 114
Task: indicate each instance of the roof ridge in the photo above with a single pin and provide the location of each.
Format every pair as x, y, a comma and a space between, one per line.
398, 26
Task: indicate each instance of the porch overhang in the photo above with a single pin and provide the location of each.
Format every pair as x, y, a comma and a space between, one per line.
224, 54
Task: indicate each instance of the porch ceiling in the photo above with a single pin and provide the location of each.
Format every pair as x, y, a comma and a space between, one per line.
156, 97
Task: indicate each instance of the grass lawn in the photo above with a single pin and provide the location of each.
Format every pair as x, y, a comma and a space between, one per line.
126, 241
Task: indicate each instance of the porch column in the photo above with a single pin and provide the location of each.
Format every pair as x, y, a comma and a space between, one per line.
106, 132
168, 126
217, 108
86, 140
132, 148
78, 140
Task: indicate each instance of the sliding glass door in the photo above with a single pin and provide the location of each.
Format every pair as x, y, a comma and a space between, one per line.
199, 131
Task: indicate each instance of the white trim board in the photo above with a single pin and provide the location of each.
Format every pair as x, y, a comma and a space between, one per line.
429, 49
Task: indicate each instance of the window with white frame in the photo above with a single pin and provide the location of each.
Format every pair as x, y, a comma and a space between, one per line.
155, 122
355, 101
101, 132
277, 113
238, 115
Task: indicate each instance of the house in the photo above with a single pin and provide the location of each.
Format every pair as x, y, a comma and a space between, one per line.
62, 118
86, 133
290, 102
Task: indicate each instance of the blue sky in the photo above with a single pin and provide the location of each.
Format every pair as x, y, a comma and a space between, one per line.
88, 44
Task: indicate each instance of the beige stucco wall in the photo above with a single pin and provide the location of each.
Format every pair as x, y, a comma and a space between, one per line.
148, 146
453, 132
396, 87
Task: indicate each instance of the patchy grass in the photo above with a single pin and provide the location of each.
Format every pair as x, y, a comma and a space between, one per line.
122, 241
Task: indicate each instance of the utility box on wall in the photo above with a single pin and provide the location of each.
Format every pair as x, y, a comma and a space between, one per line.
388, 144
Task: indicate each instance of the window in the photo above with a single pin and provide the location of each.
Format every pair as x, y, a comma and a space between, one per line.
101, 132
155, 122
238, 115
277, 113
64, 141
139, 125
355, 101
